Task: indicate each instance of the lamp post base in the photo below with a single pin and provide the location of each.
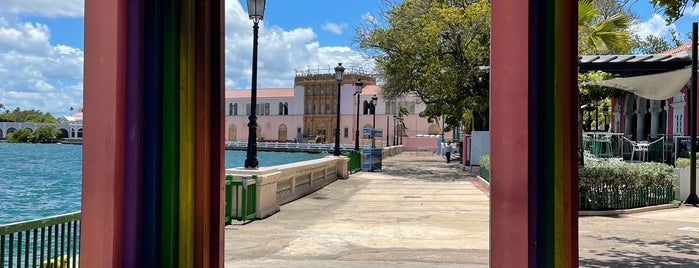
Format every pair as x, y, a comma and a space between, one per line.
692, 199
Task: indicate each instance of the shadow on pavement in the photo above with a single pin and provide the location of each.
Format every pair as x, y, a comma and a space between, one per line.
670, 253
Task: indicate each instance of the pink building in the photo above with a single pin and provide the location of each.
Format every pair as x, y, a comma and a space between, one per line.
288, 114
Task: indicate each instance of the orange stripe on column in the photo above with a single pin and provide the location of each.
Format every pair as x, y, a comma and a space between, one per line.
202, 196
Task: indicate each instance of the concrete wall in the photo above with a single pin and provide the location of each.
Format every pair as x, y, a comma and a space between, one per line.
278, 185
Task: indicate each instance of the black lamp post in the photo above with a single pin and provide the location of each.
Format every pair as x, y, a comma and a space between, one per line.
395, 130
374, 99
358, 90
387, 131
400, 133
339, 70
256, 10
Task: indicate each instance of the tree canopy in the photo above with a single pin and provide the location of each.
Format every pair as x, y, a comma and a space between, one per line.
672, 9
436, 50
31, 116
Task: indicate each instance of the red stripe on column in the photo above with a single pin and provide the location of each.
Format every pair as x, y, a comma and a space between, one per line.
103, 142
509, 206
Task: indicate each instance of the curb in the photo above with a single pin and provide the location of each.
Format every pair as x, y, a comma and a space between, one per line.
625, 211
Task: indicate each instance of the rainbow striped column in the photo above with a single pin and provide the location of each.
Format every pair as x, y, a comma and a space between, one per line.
534, 101
153, 147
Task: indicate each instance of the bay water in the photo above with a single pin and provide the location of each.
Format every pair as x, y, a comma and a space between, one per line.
41, 180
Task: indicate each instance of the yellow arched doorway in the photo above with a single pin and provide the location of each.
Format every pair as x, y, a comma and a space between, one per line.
282, 133
232, 132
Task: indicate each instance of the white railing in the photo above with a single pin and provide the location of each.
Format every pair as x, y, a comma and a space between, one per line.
291, 145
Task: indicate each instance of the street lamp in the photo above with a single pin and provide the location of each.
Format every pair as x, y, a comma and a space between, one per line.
374, 99
256, 10
400, 132
339, 70
387, 120
395, 130
358, 91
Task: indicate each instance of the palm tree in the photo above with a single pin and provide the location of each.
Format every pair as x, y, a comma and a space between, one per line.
598, 35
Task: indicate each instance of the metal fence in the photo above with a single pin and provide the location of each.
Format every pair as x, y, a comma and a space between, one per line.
606, 198
48, 243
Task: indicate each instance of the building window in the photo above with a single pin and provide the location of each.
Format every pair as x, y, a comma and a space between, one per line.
366, 107
247, 109
235, 109
346, 134
230, 109
286, 108
266, 108
679, 125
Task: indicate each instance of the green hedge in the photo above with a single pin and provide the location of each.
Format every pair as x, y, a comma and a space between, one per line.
625, 175
606, 185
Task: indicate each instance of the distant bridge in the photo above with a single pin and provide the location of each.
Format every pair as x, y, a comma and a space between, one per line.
69, 130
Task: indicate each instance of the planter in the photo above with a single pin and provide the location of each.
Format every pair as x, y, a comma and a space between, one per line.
484, 172
683, 182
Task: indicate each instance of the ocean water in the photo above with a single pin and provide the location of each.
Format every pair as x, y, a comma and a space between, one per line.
41, 180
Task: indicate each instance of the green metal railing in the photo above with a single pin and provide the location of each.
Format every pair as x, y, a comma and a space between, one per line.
606, 198
51, 242
355, 161
241, 197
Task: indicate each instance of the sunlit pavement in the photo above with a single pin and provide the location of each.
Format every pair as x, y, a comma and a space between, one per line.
422, 212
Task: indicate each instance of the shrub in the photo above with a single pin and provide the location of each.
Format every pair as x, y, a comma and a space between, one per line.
484, 161
623, 175
682, 162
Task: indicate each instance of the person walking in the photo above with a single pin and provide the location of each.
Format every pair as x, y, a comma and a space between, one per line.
447, 151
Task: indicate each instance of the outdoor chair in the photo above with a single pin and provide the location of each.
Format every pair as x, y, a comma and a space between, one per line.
641, 147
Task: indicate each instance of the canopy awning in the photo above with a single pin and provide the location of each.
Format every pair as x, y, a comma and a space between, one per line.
660, 86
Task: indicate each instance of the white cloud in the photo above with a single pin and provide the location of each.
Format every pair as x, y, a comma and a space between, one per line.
656, 26
692, 11
47, 8
334, 27
36, 74
281, 52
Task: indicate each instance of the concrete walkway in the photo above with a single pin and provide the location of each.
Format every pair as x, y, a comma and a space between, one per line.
422, 212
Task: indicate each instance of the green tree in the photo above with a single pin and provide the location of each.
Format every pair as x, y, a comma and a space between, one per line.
31, 116
435, 50
597, 34
672, 9
20, 135
45, 134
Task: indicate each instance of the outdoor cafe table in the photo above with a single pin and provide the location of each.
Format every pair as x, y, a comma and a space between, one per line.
600, 143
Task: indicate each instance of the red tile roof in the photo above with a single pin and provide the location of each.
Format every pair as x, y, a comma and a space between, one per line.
680, 48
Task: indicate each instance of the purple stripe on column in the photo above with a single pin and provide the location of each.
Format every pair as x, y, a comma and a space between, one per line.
133, 133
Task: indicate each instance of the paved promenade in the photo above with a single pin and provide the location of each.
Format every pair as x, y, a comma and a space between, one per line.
422, 212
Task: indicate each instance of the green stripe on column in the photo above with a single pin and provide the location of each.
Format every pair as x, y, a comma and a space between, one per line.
171, 137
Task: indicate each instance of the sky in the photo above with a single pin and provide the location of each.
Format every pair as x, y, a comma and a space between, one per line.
41, 45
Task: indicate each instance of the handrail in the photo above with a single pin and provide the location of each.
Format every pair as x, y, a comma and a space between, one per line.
49, 242
35, 224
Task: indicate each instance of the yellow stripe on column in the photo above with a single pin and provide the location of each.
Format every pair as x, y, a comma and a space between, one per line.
187, 139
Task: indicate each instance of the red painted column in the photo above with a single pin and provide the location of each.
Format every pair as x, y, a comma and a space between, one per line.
103, 142
534, 111
509, 147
